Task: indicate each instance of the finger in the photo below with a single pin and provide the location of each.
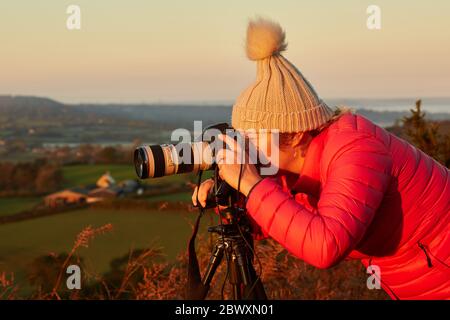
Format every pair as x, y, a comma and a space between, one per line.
228, 141
237, 147
194, 196
222, 175
203, 193
220, 156
225, 156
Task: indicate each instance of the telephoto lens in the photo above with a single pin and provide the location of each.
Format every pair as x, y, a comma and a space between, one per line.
155, 161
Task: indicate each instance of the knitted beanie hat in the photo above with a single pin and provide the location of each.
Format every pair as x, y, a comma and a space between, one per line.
281, 98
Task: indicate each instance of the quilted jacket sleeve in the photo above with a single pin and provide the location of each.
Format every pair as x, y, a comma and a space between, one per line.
356, 178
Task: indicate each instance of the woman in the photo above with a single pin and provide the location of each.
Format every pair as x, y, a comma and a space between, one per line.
346, 188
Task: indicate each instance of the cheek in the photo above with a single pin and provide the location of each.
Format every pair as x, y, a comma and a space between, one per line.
264, 148
284, 158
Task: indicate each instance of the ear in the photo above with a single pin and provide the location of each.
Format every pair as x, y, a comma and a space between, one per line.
300, 139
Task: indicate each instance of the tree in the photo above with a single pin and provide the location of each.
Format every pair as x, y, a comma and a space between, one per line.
6, 175
426, 135
85, 153
29, 178
107, 155
49, 178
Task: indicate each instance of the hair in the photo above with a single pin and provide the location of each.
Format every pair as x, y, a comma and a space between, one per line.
286, 138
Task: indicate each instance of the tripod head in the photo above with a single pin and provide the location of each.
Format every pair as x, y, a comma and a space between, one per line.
220, 195
228, 204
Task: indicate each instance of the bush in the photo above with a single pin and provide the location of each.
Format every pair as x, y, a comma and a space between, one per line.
428, 136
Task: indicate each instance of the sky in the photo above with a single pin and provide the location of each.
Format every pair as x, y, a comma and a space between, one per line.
145, 51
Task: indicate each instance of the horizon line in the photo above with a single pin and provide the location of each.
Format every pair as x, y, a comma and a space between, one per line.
209, 102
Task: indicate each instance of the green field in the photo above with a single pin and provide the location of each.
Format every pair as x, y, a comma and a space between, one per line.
13, 205
85, 174
81, 175
21, 242
173, 197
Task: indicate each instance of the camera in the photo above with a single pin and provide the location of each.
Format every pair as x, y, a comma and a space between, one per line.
234, 237
153, 161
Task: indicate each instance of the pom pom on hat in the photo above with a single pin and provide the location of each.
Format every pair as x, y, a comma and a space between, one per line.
265, 38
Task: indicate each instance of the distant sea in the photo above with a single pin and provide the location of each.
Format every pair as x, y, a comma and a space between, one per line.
432, 105
383, 112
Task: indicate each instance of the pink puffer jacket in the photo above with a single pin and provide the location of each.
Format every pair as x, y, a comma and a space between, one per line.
365, 194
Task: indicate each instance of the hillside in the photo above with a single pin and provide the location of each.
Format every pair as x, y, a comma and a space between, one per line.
42, 121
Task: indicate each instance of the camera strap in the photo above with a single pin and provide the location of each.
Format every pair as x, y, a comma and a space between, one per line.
195, 290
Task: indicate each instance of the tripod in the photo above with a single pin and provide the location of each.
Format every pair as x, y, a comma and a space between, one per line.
235, 243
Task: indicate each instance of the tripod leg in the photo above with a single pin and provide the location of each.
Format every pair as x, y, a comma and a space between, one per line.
237, 291
253, 288
235, 277
214, 261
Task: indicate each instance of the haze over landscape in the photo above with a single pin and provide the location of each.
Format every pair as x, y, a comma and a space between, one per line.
193, 51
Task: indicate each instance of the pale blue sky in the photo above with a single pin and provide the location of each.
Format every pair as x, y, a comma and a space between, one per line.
177, 51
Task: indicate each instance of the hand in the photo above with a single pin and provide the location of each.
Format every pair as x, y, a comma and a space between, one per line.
203, 192
229, 170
